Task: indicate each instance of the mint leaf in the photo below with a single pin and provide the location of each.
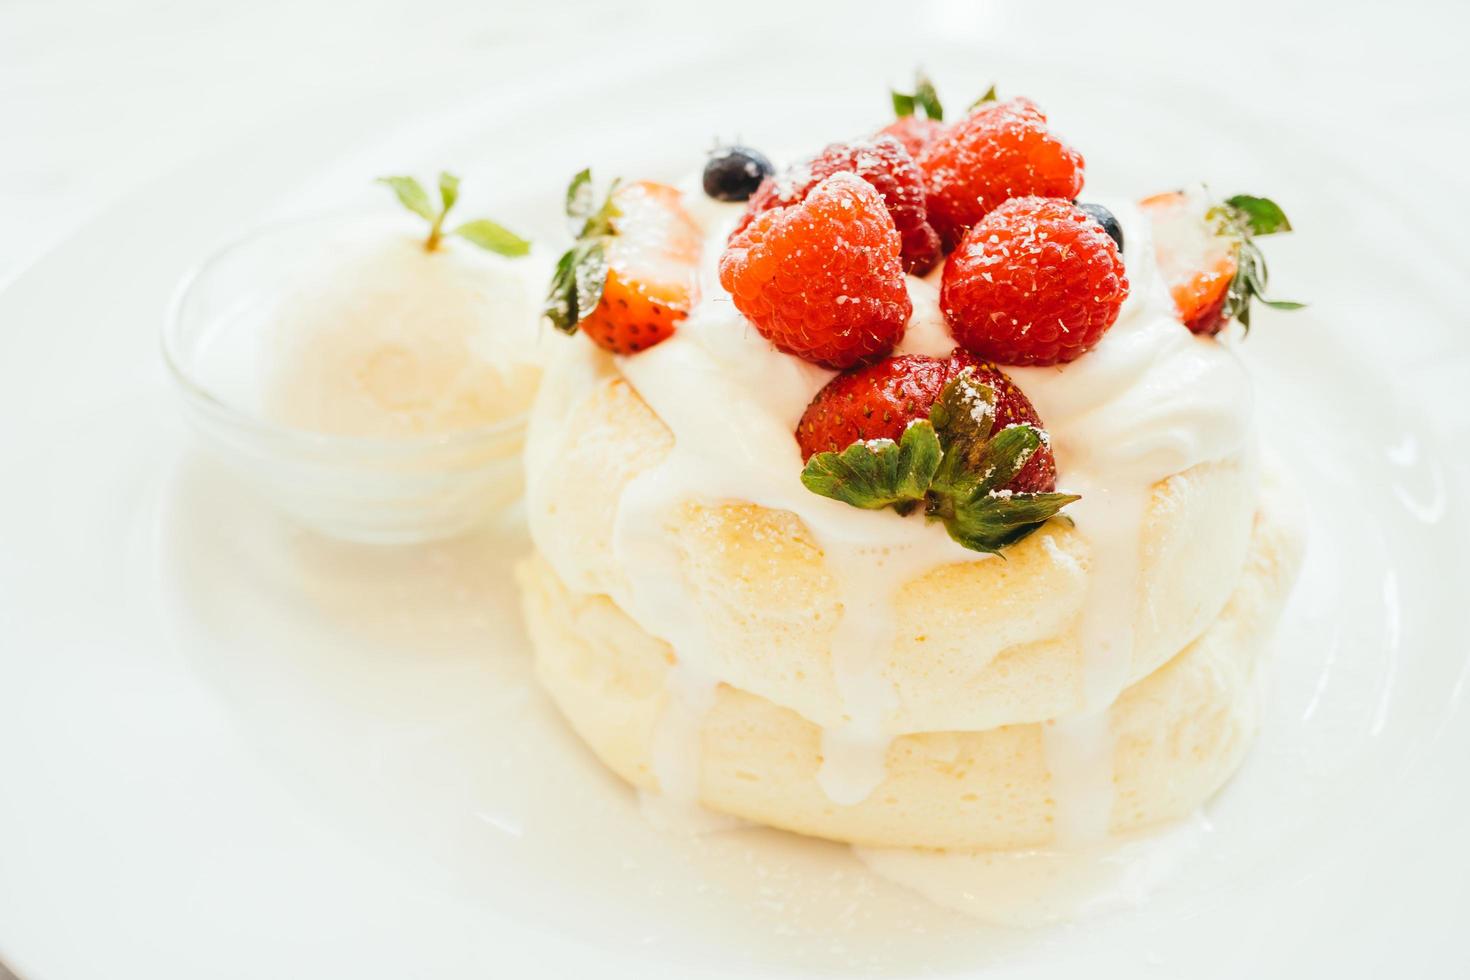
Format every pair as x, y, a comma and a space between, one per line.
878, 473
448, 191
411, 194
493, 237
484, 233
924, 97
995, 520
1260, 215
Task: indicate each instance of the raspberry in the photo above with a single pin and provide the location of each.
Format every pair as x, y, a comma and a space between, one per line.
914, 132
999, 151
879, 402
882, 162
822, 279
1038, 281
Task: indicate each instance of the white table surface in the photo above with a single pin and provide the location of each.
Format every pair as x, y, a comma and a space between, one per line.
101, 97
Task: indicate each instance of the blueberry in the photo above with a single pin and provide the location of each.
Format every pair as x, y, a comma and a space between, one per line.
1105, 218
732, 173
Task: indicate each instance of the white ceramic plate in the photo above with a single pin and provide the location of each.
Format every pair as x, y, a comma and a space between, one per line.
230, 749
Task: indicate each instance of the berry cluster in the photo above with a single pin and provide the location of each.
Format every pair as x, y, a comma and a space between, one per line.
818, 264
1031, 277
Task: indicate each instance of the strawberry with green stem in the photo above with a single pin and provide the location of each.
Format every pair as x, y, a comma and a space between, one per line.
629, 277
487, 234
1207, 252
954, 462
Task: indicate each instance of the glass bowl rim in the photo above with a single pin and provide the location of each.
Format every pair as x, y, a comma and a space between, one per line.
197, 392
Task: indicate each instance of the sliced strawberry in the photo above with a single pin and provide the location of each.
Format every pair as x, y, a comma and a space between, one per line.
1207, 255
635, 259
1196, 257
651, 261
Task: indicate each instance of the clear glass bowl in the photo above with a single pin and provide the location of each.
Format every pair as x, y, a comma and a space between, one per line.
372, 490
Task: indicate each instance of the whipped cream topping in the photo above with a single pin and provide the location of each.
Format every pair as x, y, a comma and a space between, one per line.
1149, 401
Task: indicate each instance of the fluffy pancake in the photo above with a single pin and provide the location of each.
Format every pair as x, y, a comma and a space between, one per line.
1179, 732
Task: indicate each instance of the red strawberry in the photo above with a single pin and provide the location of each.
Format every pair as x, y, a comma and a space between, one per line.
647, 247
999, 151
914, 132
882, 162
879, 402
822, 279
952, 436
1206, 254
1037, 281
651, 261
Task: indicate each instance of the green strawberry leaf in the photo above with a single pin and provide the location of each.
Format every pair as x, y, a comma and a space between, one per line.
590, 220
601, 223
1259, 215
579, 199
576, 285
994, 521
878, 473
493, 237
411, 194
1003, 456
1249, 284
581, 273
590, 274
989, 96
560, 306
953, 463
963, 416
924, 97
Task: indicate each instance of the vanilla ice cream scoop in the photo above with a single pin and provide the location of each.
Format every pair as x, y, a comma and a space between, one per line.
394, 340
398, 333
369, 373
